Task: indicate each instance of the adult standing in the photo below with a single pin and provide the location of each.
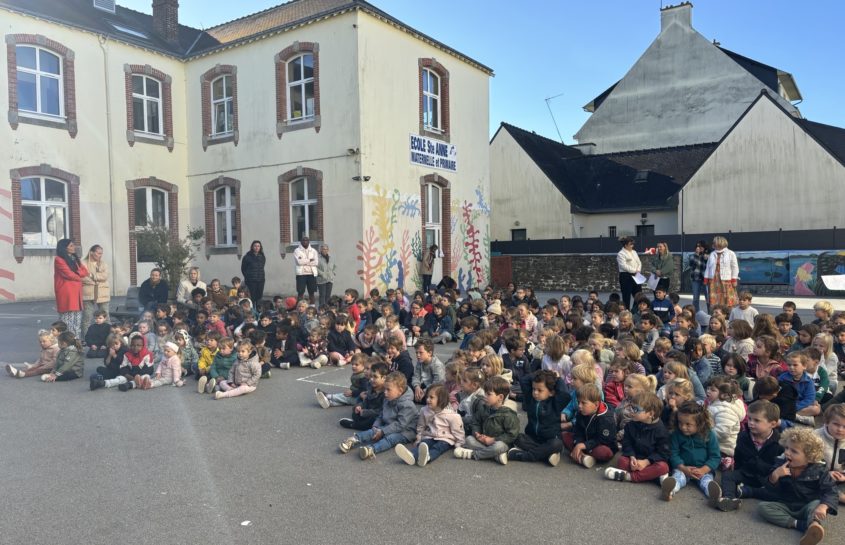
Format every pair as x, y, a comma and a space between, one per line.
95, 286
663, 266
427, 267
697, 264
153, 291
252, 267
722, 274
68, 272
188, 285
629, 264
306, 259
325, 275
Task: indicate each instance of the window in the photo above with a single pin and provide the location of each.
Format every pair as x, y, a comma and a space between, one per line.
225, 232
301, 88
39, 81
645, 230
44, 212
431, 101
303, 209
435, 199
222, 106
146, 104
519, 234
611, 231
150, 207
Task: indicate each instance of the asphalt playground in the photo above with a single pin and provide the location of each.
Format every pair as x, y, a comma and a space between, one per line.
170, 466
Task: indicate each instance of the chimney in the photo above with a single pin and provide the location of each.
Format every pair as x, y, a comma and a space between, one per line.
680, 14
166, 20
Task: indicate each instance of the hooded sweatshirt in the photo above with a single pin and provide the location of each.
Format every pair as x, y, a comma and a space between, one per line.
246, 372
137, 364
398, 416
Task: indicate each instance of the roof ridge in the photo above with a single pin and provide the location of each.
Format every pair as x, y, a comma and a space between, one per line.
532, 133
260, 12
652, 150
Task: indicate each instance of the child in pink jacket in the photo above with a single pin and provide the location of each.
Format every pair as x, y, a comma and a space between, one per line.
168, 371
439, 428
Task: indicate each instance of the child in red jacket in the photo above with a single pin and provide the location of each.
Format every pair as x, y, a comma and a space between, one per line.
614, 388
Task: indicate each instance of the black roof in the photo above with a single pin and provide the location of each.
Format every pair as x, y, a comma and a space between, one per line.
627, 181
768, 75
832, 138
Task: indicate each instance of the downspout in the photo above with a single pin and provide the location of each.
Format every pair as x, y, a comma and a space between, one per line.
102, 39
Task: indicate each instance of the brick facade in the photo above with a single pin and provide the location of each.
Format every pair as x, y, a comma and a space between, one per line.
285, 180
166, 19
283, 125
445, 217
68, 82
205, 86
172, 212
166, 104
443, 74
43, 171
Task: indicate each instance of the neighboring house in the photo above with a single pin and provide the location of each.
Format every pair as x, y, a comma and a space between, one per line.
669, 151
322, 117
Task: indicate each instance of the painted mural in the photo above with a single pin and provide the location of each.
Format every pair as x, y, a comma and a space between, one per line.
801, 270
7, 277
391, 250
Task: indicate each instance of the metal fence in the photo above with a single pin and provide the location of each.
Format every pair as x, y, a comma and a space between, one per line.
751, 241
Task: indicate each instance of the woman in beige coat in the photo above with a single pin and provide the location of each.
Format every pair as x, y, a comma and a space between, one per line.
95, 287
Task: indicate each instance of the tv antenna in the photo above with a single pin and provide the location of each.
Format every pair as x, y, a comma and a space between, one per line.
553, 115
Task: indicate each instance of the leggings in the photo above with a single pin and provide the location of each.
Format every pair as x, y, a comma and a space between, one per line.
227, 390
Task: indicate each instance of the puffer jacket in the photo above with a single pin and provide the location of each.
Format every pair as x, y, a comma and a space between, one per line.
445, 425
543, 416
170, 369
69, 362
597, 429
246, 372
502, 424
398, 416
222, 365
834, 450
727, 417
48, 356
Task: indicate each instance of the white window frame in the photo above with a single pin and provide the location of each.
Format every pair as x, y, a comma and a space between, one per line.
304, 203
38, 74
227, 101
145, 99
148, 196
301, 83
430, 97
229, 208
44, 204
430, 207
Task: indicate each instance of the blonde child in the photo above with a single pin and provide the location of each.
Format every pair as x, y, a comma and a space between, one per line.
724, 401
315, 351
243, 375
46, 361
439, 428
602, 349
593, 436
694, 452
585, 357
676, 369
207, 353
493, 366
677, 391
823, 342
69, 360
832, 435
187, 352
634, 384
555, 358
631, 352
168, 370
579, 376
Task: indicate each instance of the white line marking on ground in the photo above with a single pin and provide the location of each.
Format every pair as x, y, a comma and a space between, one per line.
322, 373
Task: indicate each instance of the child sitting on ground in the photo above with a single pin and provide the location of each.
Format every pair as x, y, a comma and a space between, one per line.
220, 367
472, 395
635, 384
724, 401
439, 428
593, 436
314, 352
46, 361
187, 352
541, 439
95, 337
556, 358
207, 354
69, 361
243, 375
614, 388
735, 368
399, 359
781, 394
494, 426
168, 370
395, 424
340, 344
832, 435
369, 403
358, 385
520, 363
579, 375
645, 443
694, 452
677, 391
797, 377
428, 371
111, 363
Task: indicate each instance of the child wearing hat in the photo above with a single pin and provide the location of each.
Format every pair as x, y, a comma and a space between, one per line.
168, 371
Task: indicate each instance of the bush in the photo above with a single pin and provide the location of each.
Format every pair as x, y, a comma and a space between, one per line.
171, 255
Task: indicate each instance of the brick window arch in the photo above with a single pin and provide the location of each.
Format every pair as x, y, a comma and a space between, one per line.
442, 186
170, 215
297, 83
28, 94
314, 187
225, 89
222, 198
38, 175
434, 99
149, 105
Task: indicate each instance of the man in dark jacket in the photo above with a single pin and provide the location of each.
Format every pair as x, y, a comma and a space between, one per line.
153, 291
541, 440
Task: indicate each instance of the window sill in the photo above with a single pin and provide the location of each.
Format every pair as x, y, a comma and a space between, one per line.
149, 138
437, 135
223, 250
24, 251
223, 138
289, 126
53, 122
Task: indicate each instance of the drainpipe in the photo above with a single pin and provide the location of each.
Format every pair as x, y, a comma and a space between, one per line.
102, 39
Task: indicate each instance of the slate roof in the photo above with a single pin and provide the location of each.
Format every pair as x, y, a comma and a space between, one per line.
609, 182
81, 14
832, 138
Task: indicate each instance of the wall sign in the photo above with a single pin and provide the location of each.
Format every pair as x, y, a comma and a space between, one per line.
433, 153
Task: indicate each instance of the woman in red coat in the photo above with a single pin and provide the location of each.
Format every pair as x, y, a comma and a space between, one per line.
67, 280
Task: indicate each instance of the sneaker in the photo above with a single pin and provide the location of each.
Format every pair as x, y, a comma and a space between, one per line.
266, 375
587, 461
304, 363
315, 364
422, 455
813, 535
806, 420
366, 453
126, 386
515, 454
218, 395
554, 459
667, 488
714, 493
347, 444
502, 458
322, 400
285, 365
728, 504
11, 370
406, 455
346, 423
743, 491
209, 386
203, 380
462, 453
614, 474
97, 381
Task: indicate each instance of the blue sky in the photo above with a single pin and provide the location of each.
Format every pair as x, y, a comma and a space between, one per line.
543, 48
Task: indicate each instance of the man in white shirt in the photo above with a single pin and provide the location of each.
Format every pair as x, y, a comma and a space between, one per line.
306, 259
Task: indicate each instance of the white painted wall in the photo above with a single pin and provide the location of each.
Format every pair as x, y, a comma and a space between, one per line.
523, 193
767, 174
594, 225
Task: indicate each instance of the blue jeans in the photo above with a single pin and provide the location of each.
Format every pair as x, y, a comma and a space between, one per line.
385, 443
435, 449
699, 288
681, 481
